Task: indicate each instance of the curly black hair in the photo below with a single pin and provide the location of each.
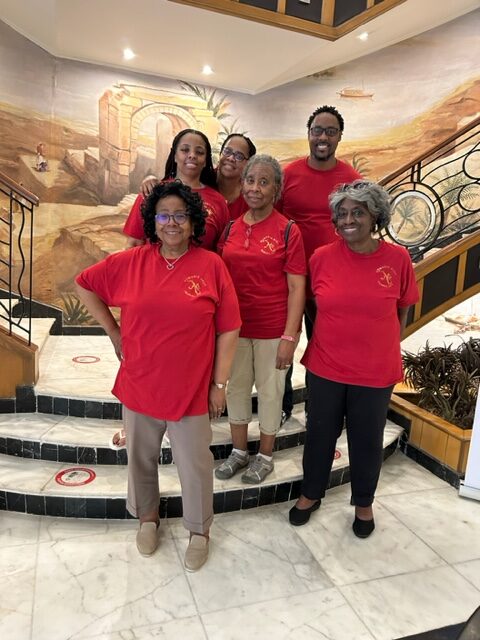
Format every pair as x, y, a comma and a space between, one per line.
208, 175
326, 109
193, 204
252, 149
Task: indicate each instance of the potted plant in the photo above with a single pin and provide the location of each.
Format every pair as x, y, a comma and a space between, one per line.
439, 412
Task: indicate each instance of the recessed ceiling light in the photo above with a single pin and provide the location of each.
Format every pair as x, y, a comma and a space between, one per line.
207, 70
128, 54
363, 36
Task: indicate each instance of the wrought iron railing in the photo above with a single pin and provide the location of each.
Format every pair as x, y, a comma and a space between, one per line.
16, 257
436, 197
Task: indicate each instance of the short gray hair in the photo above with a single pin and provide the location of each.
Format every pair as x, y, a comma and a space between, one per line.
270, 161
370, 194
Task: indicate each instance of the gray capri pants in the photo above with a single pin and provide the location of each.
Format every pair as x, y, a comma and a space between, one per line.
190, 440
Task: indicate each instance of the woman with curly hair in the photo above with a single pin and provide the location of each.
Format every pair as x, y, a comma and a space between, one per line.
175, 342
189, 161
363, 288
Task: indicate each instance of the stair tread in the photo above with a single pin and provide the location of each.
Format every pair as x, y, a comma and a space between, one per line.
95, 432
62, 375
37, 477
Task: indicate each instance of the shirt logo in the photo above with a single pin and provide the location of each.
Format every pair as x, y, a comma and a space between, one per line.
269, 245
386, 276
194, 286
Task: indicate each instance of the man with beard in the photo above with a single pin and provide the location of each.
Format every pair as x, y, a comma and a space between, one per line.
307, 184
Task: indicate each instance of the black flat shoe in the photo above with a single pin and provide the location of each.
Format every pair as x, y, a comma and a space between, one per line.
363, 528
297, 517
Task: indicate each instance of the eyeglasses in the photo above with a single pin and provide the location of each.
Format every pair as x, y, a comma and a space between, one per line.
356, 185
236, 155
357, 214
328, 131
180, 217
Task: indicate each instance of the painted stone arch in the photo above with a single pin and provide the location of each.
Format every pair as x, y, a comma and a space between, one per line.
171, 120
122, 110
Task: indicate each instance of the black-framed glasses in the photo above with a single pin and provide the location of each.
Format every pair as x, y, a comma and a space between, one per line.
228, 152
328, 131
180, 217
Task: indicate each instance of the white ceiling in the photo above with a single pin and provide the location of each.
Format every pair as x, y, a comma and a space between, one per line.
175, 41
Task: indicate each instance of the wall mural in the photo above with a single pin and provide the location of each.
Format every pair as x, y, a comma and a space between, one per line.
82, 137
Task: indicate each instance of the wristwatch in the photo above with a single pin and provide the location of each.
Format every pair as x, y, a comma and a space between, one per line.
219, 385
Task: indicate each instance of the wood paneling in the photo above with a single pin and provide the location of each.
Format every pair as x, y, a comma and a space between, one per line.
18, 363
279, 18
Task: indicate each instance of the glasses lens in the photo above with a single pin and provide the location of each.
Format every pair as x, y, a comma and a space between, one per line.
329, 131
180, 218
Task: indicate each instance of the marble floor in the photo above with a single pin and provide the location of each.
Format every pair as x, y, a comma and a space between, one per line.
84, 579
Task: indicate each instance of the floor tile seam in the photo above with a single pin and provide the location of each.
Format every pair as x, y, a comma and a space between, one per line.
266, 600
417, 535
454, 566
181, 557
378, 498
399, 574
358, 614
34, 590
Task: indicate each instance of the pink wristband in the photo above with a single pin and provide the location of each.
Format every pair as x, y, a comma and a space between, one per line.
289, 338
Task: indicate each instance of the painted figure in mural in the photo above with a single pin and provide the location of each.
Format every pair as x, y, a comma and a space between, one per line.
176, 343
363, 288
308, 183
264, 254
189, 160
234, 154
41, 163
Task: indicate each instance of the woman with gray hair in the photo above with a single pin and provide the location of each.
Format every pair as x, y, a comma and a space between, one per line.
264, 253
363, 288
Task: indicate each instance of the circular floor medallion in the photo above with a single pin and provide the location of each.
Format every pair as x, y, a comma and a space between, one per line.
86, 359
337, 454
75, 477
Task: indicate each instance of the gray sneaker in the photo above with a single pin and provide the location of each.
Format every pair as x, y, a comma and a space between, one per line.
257, 471
232, 464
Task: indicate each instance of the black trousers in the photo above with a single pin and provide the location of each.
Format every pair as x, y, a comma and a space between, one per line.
364, 409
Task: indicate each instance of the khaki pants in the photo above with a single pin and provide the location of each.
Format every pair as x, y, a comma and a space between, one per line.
255, 363
190, 440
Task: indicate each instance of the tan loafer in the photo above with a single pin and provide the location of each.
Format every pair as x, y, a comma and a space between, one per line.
197, 552
147, 538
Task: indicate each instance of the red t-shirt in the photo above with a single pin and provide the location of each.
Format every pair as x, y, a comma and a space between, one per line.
305, 199
356, 337
169, 319
215, 205
237, 207
259, 270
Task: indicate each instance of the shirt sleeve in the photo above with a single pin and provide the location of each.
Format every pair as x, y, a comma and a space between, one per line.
408, 287
134, 225
95, 279
218, 217
295, 262
227, 317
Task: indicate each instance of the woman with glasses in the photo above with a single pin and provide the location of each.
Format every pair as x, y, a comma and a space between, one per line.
234, 154
190, 161
264, 254
175, 342
363, 288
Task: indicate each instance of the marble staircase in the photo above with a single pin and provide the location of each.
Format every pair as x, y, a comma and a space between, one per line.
54, 454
